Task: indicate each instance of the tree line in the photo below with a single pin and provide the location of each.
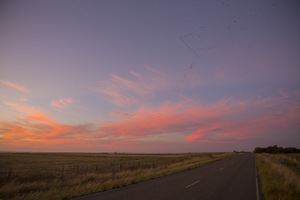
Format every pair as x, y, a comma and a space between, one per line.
276, 149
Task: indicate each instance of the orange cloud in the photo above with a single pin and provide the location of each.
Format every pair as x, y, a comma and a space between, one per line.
36, 127
16, 86
31, 113
35, 130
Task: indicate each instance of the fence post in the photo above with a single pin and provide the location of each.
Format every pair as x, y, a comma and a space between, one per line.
77, 170
62, 172
96, 168
9, 173
113, 173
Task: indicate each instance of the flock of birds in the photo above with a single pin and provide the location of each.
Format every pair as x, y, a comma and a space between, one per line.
205, 38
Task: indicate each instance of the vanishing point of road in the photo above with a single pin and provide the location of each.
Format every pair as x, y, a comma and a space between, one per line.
233, 178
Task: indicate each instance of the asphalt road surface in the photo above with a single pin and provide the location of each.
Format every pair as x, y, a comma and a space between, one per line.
233, 178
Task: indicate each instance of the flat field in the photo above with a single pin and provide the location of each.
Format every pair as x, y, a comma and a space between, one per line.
67, 175
280, 175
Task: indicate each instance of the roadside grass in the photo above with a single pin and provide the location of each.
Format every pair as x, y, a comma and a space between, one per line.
280, 175
63, 176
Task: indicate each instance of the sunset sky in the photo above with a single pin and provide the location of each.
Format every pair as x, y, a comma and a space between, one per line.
149, 76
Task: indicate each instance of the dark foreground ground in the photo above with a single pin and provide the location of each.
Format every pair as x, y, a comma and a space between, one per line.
233, 178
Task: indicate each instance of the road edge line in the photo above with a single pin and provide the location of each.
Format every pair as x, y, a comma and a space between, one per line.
256, 180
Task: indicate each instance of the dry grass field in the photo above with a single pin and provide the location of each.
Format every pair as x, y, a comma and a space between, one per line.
280, 175
65, 175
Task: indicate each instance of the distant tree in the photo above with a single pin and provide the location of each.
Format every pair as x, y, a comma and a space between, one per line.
276, 150
291, 150
259, 150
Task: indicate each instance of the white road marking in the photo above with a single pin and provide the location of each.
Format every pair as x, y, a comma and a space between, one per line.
257, 193
192, 184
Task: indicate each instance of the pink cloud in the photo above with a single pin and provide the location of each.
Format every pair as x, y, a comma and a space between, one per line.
15, 86
61, 104
282, 117
183, 123
224, 121
171, 118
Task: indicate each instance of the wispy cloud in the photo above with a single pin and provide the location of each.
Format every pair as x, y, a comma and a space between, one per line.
61, 104
116, 97
121, 90
15, 86
23, 100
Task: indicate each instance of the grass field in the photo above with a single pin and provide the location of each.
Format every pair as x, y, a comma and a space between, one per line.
280, 175
65, 175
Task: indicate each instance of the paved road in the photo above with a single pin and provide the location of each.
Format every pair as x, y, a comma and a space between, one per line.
232, 178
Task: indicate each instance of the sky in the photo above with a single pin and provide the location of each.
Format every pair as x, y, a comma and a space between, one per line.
141, 76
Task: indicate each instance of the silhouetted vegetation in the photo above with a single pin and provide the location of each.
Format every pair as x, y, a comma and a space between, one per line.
276, 150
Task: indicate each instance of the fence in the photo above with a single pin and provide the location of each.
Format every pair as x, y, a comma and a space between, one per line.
37, 169
63, 170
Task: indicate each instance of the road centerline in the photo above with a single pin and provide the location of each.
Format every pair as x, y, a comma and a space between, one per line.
206, 182
192, 184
